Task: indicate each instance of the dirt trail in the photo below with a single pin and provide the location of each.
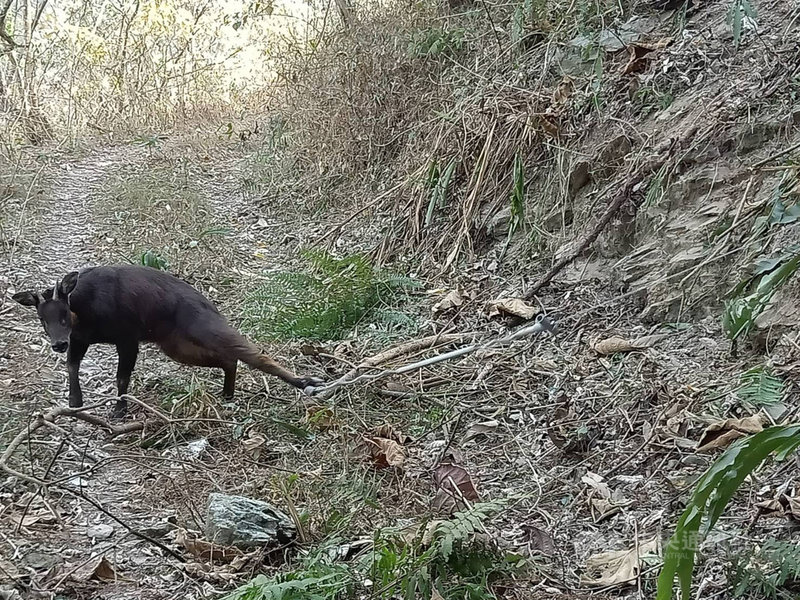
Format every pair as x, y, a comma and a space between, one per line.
59, 239
64, 533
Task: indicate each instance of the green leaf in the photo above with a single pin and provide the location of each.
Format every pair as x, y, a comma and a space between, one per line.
303, 434
710, 497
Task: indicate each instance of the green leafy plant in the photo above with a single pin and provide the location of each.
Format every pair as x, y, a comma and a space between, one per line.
442, 559
323, 303
434, 42
711, 495
766, 572
317, 582
438, 182
656, 190
738, 11
149, 258
741, 311
760, 387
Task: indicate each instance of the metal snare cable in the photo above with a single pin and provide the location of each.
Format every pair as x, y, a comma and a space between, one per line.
542, 324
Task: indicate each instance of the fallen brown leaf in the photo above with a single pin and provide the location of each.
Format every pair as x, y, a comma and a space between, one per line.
515, 307
782, 506
455, 488
563, 91
723, 433
617, 567
386, 453
639, 52
453, 300
483, 428
390, 433
254, 444
97, 568
539, 540
616, 344
206, 551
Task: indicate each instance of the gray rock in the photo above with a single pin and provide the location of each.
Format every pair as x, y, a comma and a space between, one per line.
41, 561
579, 177
245, 523
751, 137
100, 531
500, 223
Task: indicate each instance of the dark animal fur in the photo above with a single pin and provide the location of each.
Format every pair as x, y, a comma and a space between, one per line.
127, 305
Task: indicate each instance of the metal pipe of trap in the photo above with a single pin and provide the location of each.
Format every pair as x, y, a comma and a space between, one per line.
542, 324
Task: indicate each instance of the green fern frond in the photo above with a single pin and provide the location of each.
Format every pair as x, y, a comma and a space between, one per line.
335, 295
760, 387
767, 572
463, 526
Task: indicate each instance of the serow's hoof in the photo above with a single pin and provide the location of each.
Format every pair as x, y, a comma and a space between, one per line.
312, 385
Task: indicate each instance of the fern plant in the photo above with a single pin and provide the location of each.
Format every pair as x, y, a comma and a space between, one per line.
711, 495
773, 571
442, 561
323, 303
760, 387
452, 565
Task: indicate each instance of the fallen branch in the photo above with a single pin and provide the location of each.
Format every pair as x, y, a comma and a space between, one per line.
41, 420
392, 353
632, 181
542, 324
48, 420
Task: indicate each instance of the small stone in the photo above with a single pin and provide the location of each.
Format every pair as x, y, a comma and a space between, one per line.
579, 177
159, 530
500, 223
100, 531
245, 523
40, 561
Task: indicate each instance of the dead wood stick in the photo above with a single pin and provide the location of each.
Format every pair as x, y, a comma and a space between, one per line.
783, 152
41, 420
395, 352
542, 324
48, 418
623, 194
131, 530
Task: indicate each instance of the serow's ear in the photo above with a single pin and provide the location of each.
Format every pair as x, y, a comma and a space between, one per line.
26, 298
68, 284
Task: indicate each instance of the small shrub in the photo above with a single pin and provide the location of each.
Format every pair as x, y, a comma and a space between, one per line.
323, 303
152, 259
444, 560
433, 42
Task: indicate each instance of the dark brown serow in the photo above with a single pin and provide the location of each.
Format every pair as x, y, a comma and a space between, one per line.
126, 305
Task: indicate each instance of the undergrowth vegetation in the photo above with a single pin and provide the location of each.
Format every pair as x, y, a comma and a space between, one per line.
325, 302
448, 560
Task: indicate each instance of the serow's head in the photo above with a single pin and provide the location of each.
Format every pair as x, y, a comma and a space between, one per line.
52, 306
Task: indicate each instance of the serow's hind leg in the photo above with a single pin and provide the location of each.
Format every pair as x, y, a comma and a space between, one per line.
230, 381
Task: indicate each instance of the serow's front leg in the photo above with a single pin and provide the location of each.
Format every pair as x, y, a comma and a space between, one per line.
75, 353
127, 361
